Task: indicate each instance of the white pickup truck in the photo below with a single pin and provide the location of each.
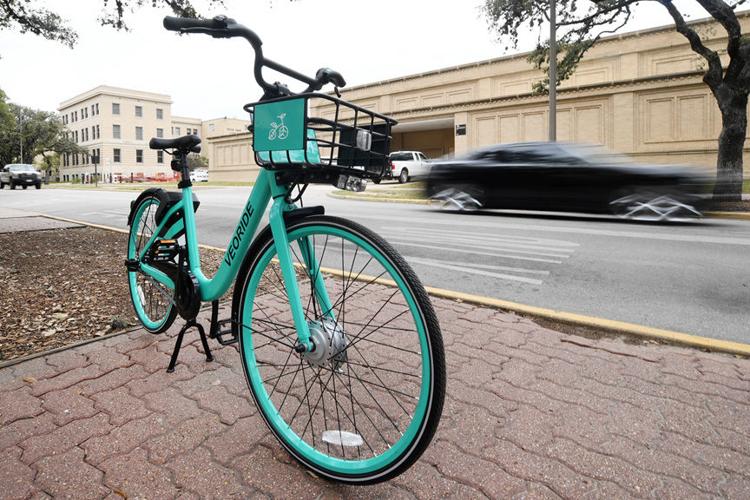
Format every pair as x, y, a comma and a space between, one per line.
408, 165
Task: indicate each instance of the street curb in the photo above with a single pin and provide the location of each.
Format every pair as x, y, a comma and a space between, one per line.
730, 215
614, 326
413, 201
645, 332
15, 361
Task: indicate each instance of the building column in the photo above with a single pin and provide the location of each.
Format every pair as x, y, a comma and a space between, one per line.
622, 127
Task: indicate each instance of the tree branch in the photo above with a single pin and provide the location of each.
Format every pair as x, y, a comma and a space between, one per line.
713, 75
725, 15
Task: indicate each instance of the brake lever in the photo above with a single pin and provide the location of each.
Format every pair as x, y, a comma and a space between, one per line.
336, 89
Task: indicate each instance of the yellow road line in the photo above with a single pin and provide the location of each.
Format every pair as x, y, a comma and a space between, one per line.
642, 331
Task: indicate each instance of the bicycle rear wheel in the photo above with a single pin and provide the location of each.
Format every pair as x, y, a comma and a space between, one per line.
152, 301
364, 405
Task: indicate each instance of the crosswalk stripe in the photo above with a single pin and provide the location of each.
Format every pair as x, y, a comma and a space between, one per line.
469, 270
474, 252
491, 267
462, 242
541, 243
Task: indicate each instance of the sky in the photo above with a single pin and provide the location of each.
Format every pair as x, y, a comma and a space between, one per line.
365, 40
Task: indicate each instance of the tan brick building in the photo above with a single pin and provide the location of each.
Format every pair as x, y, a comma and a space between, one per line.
117, 124
640, 93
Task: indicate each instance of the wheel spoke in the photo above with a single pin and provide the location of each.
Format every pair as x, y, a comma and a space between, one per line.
354, 394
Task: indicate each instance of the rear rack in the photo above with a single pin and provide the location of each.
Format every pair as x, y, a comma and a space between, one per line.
347, 140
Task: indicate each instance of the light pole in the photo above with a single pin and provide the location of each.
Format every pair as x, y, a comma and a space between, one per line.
553, 70
20, 131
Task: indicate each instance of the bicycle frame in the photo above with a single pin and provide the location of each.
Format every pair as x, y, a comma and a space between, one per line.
265, 189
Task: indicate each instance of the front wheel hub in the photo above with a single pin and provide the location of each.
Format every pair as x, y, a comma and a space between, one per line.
329, 344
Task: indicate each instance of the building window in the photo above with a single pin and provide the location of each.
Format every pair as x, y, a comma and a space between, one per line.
75, 116
115, 108
139, 156
85, 134
139, 111
177, 131
98, 135
97, 108
159, 132
138, 133
116, 155
159, 114
116, 131
76, 136
160, 156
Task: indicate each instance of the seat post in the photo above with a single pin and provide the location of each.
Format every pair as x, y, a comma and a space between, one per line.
180, 164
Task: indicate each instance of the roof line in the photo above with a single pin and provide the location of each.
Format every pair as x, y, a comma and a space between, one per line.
486, 62
116, 91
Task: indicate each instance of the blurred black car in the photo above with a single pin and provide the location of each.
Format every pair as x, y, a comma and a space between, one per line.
565, 177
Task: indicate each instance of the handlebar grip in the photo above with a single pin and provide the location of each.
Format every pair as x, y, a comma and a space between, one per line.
186, 23
327, 75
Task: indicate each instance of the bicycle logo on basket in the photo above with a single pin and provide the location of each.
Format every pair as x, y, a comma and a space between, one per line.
278, 129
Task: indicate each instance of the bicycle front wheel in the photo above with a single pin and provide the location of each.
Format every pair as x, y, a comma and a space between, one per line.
365, 403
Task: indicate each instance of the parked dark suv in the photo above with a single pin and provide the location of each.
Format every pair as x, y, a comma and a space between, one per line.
20, 174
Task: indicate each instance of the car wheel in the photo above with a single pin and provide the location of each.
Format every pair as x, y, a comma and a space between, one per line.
2, 185
376, 181
38, 185
24, 186
12, 185
463, 198
644, 204
403, 177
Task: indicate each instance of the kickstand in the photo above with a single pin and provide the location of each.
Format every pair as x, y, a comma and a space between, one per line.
190, 324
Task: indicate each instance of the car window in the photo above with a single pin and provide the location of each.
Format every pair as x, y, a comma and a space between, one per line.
21, 168
401, 157
545, 154
421, 156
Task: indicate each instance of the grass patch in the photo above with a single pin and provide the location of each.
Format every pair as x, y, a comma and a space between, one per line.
391, 191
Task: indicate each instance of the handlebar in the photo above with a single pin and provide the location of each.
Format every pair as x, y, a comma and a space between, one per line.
224, 27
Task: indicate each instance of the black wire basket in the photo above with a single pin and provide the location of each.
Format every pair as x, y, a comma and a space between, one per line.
345, 140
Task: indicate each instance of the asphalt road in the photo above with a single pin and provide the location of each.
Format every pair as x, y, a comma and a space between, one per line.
692, 278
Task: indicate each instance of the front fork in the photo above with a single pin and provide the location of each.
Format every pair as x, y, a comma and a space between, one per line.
288, 273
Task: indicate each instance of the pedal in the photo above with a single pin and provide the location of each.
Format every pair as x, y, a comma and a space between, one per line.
164, 251
217, 331
220, 333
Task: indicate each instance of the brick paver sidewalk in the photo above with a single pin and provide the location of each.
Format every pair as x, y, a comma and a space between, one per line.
529, 413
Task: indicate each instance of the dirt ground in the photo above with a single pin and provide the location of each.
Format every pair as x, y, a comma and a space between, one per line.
65, 285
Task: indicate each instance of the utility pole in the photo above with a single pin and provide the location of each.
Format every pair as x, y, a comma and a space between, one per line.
553, 70
20, 131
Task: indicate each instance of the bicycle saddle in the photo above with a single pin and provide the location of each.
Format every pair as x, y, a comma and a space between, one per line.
184, 144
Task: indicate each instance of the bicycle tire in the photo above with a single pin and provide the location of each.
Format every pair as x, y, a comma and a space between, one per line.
416, 435
147, 208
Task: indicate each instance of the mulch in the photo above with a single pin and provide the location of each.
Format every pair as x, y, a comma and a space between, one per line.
65, 285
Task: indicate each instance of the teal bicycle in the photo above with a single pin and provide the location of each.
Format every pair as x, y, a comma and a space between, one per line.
340, 345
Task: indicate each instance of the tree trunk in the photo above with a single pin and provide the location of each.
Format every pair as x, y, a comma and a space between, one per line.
733, 106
